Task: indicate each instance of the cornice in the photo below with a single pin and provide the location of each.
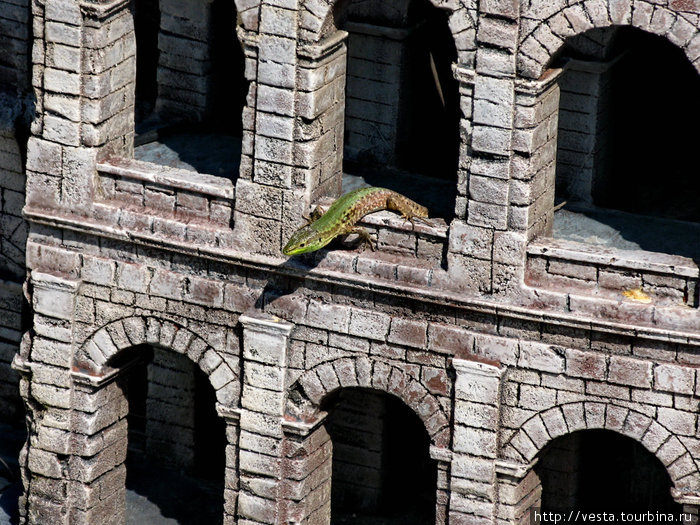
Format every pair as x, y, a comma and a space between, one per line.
281, 266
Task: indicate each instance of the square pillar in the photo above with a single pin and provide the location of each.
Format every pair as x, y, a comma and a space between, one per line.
473, 496
584, 130
261, 439
320, 133
296, 148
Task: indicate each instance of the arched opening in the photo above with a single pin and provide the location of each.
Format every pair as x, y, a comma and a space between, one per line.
190, 86
401, 101
627, 127
382, 470
603, 471
176, 450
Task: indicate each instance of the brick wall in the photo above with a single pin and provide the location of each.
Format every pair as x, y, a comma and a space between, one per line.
15, 43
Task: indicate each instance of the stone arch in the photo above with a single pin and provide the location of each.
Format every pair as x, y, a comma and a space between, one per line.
318, 22
325, 378
545, 39
557, 421
113, 338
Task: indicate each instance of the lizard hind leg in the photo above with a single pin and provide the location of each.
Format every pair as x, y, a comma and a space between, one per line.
408, 209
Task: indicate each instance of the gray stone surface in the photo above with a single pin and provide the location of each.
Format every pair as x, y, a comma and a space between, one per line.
627, 231
209, 153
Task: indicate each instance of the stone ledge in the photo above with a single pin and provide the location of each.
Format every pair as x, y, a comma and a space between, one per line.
528, 308
639, 260
169, 177
394, 221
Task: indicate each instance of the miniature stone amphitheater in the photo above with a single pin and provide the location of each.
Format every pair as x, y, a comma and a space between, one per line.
498, 358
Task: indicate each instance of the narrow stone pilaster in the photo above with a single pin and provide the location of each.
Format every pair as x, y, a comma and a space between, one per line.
44, 361
108, 76
443, 458
318, 150
465, 79
475, 262
265, 343
519, 490
308, 469
469, 246
96, 472
534, 164
232, 418
473, 495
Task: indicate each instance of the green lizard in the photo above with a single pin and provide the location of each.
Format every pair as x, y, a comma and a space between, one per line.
345, 212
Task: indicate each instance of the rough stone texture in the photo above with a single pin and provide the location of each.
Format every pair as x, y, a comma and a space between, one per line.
497, 338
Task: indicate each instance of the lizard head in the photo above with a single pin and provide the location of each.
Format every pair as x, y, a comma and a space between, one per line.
304, 240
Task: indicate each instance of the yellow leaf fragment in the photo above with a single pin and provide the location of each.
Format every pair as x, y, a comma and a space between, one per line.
636, 294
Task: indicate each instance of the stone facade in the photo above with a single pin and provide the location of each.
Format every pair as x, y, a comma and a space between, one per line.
497, 337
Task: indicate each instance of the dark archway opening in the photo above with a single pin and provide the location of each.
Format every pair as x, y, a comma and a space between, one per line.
177, 442
628, 118
146, 28
656, 111
402, 101
382, 470
190, 87
602, 471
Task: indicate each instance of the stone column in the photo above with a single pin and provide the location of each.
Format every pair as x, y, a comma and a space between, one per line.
45, 361
261, 439
98, 442
465, 80
318, 149
484, 254
266, 196
473, 495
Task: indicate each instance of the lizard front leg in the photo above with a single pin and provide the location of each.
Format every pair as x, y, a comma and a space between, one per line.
364, 235
313, 216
